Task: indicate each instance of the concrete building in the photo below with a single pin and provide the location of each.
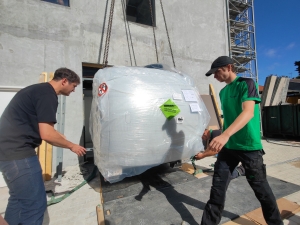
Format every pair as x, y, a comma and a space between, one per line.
40, 36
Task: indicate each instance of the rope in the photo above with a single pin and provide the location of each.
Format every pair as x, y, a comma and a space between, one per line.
162, 8
151, 11
111, 14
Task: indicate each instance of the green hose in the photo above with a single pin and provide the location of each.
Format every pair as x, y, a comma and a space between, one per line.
54, 200
196, 171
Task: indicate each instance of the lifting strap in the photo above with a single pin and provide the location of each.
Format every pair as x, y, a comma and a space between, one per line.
151, 11
162, 8
128, 33
108, 34
111, 14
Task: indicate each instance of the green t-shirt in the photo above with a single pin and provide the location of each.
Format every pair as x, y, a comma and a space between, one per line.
232, 96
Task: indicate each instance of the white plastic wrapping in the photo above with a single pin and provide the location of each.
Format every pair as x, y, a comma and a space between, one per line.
129, 131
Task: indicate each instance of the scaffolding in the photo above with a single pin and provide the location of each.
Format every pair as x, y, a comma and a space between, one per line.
241, 37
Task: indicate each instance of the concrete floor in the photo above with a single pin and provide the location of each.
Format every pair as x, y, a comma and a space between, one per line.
282, 159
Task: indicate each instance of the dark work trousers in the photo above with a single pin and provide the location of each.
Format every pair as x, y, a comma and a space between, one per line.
256, 176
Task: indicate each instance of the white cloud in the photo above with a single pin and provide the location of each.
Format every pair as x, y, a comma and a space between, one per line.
271, 52
273, 66
291, 45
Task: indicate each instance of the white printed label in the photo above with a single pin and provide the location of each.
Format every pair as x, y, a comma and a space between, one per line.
189, 95
177, 96
195, 107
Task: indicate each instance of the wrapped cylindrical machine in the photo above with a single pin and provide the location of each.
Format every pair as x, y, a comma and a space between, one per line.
143, 117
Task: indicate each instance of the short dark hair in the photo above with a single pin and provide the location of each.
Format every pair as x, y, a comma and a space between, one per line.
70, 75
233, 68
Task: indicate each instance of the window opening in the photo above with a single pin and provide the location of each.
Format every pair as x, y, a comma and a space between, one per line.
59, 2
139, 11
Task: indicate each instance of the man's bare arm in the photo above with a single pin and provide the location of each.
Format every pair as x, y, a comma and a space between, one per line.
53, 137
248, 112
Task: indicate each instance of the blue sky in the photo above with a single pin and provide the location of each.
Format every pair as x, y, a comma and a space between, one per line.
277, 29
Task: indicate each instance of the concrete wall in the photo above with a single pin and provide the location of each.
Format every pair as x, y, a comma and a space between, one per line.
37, 36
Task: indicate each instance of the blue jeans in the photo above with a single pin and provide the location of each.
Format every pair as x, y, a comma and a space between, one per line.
27, 202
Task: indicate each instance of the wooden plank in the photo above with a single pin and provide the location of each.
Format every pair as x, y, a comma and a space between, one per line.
48, 162
286, 209
51, 75
242, 220
208, 101
43, 77
94, 65
49, 148
188, 168
44, 151
42, 157
100, 215
216, 105
99, 208
42, 148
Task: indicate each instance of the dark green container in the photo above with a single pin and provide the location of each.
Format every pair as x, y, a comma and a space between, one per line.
288, 120
283, 120
271, 121
297, 109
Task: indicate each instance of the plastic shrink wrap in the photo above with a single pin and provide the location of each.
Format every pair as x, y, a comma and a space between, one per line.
129, 129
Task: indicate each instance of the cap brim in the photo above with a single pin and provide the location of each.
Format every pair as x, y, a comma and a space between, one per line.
211, 71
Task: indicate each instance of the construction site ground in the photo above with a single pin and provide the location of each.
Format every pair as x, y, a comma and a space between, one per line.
132, 203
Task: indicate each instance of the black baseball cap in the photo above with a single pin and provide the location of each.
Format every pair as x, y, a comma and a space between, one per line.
218, 63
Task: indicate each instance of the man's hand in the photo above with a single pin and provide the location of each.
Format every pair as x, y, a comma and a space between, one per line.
218, 142
199, 156
206, 135
50, 135
208, 152
79, 150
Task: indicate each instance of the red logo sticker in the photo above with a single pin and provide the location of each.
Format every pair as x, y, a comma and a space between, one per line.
102, 89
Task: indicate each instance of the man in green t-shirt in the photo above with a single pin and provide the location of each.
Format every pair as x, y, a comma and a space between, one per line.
239, 142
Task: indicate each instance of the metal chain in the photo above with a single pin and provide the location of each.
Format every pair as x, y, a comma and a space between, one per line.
162, 8
111, 14
150, 4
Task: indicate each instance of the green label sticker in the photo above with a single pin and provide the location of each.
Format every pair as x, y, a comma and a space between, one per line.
169, 109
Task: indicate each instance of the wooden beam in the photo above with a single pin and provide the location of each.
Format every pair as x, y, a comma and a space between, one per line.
94, 65
51, 75
100, 215
42, 157
48, 162
216, 105
44, 151
43, 77
99, 208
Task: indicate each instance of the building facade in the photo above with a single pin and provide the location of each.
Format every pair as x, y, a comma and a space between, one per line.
40, 36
